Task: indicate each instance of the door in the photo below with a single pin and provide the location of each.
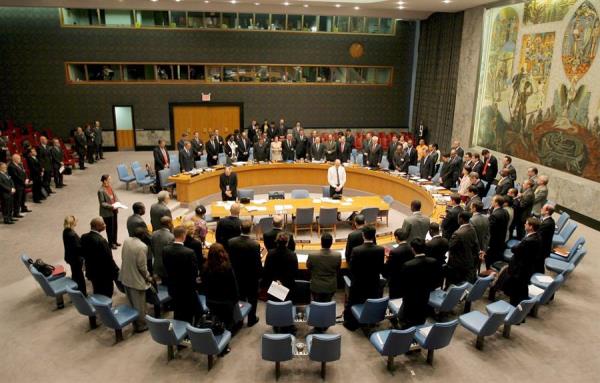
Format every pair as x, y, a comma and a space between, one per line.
205, 119
123, 120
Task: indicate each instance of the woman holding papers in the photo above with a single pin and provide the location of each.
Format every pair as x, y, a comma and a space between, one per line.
109, 207
281, 266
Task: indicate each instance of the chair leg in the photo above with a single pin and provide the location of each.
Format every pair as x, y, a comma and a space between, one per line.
506, 331
277, 370
210, 361
534, 310
93, 323
390, 363
430, 357
60, 302
467, 307
170, 353
479, 342
323, 370
118, 335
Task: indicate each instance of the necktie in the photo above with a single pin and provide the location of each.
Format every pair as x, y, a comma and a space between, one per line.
337, 173
164, 154
485, 167
342, 147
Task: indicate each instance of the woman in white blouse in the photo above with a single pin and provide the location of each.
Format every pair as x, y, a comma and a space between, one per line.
276, 150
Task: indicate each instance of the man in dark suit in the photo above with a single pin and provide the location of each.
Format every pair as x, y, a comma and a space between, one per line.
498, 220
355, 238
350, 138
302, 146
419, 277
213, 148
282, 129
375, 154
477, 166
428, 165
490, 168
463, 253
16, 171
229, 227
186, 157
366, 265
270, 236
228, 183
512, 172
261, 150
45, 158
411, 153
35, 173
331, 149
98, 141
546, 232
437, 246
182, 141
80, 146
244, 144
90, 137
182, 275
450, 170
324, 268
57, 163
244, 254
100, 266
391, 151
160, 209
161, 160
197, 146
460, 152
522, 265
366, 147
398, 256
272, 131
505, 183
476, 182
289, 148
317, 150
473, 197
253, 131
7, 192
526, 199
450, 221
344, 150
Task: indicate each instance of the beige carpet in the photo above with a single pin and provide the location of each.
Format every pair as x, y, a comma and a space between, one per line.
42, 344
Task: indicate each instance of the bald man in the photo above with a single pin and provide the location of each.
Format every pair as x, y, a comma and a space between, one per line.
100, 266
229, 227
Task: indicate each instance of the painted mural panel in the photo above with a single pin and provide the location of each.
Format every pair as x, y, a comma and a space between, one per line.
548, 112
545, 11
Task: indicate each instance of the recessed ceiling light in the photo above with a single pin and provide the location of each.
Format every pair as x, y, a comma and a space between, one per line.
401, 3
446, 1
337, 5
401, 7
305, 5
286, 3
206, 1
256, 3
356, 8
154, 1
233, 1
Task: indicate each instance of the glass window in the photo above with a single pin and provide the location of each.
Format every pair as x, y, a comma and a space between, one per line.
277, 74
309, 74
116, 18
138, 72
247, 74
104, 72
196, 72
324, 74
355, 76
262, 73
195, 20
213, 73
387, 26
178, 19
383, 76
212, 20
338, 75
341, 24
165, 72
261, 21
372, 25
181, 72
151, 18
231, 74
72, 16
246, 21
76, 72
310, 23
357, 24
294, 73
294, 22
325, 23
229, 20
277, 22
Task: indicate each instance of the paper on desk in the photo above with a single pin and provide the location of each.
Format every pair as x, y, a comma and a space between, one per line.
544, 278
396, 302
259, 201
278, 291
256, 208
349, 200
302, 258
239, 163
346, 204
119, 205
317, 200
534, 291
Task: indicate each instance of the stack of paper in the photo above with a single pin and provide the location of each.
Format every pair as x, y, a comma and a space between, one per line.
302, 258
317, 200
425, 330
119, 205
278, 291
256, 208
259, 201
544, 278
346, 204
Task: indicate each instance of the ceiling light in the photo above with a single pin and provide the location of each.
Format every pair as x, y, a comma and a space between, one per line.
256, 3
401, 3
337, 5
400, 7
446, 1
305, 5
154, 1
286, 3
233, 1
206, 1
356, 8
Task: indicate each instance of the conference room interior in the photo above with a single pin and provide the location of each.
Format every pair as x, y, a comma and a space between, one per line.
512, 79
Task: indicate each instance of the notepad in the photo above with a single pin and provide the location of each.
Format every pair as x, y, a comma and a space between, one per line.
119, 205
278, 291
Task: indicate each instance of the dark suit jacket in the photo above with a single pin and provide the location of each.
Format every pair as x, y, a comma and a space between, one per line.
331, 151
480, 189
471, 201
197, 148
504, 185
212, 152
366, 265
449, 173
464, 251
99, 262
45, 157
72, 245
418, 278
375, 156
512, 172
227, 228
323, 270
355, 238
244, 146
35, 169
288, 150
269, 239
546, 232
525, 253
437, 247
302, 146
526, 204
492, 169
80, 142
346, 154
244, 254
478, 168
159, 161
182, 270
196, 246
394, 267
281, 265
428, 167
231, 181
57, 156
317, 154
498, 226
412, 156
186, 160
390, 154
450, 221
261, 153
18, 175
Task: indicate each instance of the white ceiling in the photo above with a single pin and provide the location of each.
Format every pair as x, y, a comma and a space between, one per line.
412, 9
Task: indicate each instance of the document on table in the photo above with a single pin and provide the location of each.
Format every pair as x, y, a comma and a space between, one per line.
119, 205
256, 208
278, 291
302, 258
534, 291
317, 200
544, 278
259, 201
283, 207
396, 302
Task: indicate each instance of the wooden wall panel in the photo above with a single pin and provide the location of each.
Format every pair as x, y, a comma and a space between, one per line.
125, 140
205, 119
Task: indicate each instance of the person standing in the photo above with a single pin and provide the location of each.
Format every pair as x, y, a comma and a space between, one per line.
394, 265
228, 184
336, 178
375, 154
270, 236
186, 157
45, 158
450, 221
415, 225
161, 161
100, 266
80, 147
546, 233
57, 163
289, 148
302, 146
317, 150
345, 150
498, 225
276, 150
331, 149
107, 199
526, 200
17, 173
244, 254
229, 227
35, 172
91, 143
463, 253
7, 192
391, 151
161, 237
213, 148
324, 268
197, 147
160, 208
135, 276
98, 140
281, 265
490, 168
244, 145
134, 222
261, 150
74, 253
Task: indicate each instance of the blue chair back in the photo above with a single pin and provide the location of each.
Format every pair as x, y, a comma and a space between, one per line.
325, 347
494, 321
173, 158
246, 193
42, 281
385, 163
492, 191
479, 288
135, 165
161, 331
388, 199
440, 335
222, 159
300, 193
122, 172
326, 190
280, 314
413, 170
202, 164
487, 202
164, 177
579, 254
436, 177
370, 214
551, 289
516, 315
398, 342
277, 347
562, 220
304, 215
265, 224
374, 310
26, 261
174, 168
321, 314
104, 311
359, 159
578, 244
568, 231
140, 174
453, 297
328, 216
81, 303
203, 340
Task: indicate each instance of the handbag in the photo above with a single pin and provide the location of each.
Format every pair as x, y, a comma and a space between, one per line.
213, 323
43, 267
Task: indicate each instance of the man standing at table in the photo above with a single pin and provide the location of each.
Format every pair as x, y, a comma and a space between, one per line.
336, 177
228, 184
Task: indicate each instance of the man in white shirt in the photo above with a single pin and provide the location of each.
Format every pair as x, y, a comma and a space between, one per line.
336, 177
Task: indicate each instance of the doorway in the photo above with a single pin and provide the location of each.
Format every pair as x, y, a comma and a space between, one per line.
123, 121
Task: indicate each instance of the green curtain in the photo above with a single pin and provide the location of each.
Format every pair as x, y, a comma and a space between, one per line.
437, 74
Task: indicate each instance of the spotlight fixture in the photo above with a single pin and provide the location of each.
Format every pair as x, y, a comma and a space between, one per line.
305, 5
337, 5
356, 8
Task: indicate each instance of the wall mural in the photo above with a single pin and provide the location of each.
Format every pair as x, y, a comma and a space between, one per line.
539, 98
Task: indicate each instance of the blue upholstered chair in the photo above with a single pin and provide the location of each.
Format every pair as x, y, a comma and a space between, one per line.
201, 164
113, 318
222, 159
124, 175
205, 342
280, 314
578, 244
392, 343
27, 261
264, 225
304, 219
370, 214
174, 168
546, 295
300, 194
325, 191
324, 348
515, 315
359, 159
487, 202
202, 300
388, 199
395, 306
560, 266
168, 332
327, 220
277, 348
83, 306
158, 298
476, 290
385, 164
347, 285
164, 175
434, 337
55, 288
436, 178
483, 325
173, 158
371, 312
445, 301
241, 311
511, 243
563, 236
413, 170
135, 165
561, 221
508, 254
246, 193
540, 280
321, 314
142, 179
492, 191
